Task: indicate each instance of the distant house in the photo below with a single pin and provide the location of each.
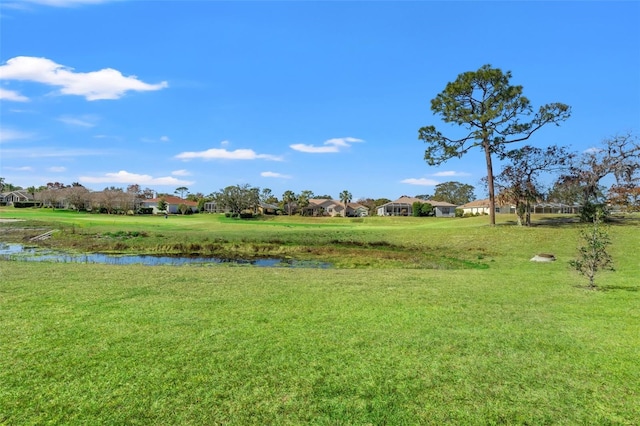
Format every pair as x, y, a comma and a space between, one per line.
482, 207
173, 204
214, 207
323, 207
266, 208
328, 207
476, 207
357, 210
556, 208
8, 198
403, 206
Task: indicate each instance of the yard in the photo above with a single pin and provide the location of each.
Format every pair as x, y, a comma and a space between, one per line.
488, 338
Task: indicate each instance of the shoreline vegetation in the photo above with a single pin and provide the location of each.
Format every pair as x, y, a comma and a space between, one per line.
422, 321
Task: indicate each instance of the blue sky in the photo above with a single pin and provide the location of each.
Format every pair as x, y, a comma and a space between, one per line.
290, 95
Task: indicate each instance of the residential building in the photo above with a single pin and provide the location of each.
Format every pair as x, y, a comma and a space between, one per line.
403, 206
328, 207
173, 204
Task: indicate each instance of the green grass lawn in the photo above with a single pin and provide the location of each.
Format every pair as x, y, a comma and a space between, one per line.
514, 342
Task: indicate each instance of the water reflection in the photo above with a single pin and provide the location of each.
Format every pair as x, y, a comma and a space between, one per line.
30, 254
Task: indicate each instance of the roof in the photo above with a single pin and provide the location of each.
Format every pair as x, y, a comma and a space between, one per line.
23, 193
338, 205
410, 200
170, 199
269, 206
476, 203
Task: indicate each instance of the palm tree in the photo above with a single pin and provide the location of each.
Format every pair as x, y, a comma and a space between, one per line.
32, 190
345, 197
287, 199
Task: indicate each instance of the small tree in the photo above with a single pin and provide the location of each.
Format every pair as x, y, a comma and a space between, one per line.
415, 209
593, 255
162, 204
419, 209
426, 209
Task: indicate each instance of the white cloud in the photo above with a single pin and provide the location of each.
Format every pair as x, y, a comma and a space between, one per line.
275, 175
420, 181
450, 173
59, 169
592, 150
223, 154
11, 135
20, 169
10, 95
329, 146
84, 121
106, 83
181, 172
125, 177
155, 140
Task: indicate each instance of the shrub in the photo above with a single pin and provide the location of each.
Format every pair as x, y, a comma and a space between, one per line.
26, 204
593, 212
419, 209
593, 255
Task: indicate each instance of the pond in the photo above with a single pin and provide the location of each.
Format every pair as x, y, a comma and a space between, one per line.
18, 252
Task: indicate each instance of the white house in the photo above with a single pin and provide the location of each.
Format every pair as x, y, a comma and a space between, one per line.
173, 204
403, 206
476, 207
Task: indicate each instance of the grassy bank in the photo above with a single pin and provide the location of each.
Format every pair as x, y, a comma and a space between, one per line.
87, 344
514, 342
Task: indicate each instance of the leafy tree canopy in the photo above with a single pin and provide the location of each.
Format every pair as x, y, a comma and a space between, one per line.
424, 196
237, 198
454, 192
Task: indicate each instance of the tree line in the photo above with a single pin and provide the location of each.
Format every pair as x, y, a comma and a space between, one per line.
234, 198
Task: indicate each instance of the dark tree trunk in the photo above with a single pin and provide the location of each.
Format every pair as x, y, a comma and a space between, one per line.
492, 196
